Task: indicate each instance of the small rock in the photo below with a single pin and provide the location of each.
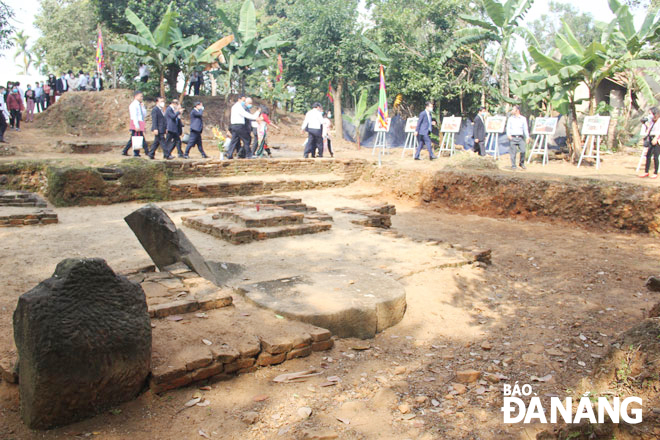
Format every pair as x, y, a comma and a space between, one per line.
468, 376
404, 408
421, 399
486, 346
459, 388
312, 434
304, 412
399, 370
250, 417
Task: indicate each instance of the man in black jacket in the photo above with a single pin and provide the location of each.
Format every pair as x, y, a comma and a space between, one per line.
479, 132
172, 115
159, 128
196, 127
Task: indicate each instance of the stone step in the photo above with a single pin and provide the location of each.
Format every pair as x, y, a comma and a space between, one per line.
206, 187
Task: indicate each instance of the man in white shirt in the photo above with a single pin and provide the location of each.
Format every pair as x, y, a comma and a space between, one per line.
4, 115
239, 127
82, 81
137, 113
313, 125
517, 131
143, 73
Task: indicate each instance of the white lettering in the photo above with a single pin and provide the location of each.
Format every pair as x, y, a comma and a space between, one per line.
535, 411
507, 409
565, 410
604, 405
527, 390
636, 412
584, 411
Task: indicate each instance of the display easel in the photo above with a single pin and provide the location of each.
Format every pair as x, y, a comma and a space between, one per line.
642, 159
411, 144
540, 146
593, 143
594, 128
381, 137
448, 143
493, 144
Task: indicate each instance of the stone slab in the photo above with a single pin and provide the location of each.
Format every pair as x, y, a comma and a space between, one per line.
347, 301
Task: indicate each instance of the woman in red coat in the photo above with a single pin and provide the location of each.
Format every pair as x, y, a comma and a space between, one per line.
15, 106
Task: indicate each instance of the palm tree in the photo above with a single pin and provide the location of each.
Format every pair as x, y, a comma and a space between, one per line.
155, 47
501, 25
22, 50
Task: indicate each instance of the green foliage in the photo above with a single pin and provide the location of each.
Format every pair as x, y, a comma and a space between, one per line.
196, 16
68, 35
23, 52
6, 28
547, 25
361, 112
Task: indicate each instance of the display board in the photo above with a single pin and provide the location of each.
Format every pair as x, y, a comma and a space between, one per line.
596, 125
411, 125
495, 124
379, 128
545, 126
451, 124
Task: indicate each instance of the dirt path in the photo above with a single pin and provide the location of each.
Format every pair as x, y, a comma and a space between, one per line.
522, 316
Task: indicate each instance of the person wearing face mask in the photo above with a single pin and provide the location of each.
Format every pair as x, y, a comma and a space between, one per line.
172, 119
159, 129
30, 102
479, 132
196, 127
4, 115
240, 132
327, 126
137, 114
423, 131
15, 106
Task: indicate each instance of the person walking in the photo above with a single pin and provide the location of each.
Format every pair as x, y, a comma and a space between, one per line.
137, 113
196, 128
52, 85
517, 131
651, 143
159, 129
30, 102
172, 125
327, 126
240, 132
423, 131
479, 132
16, 107
313, 125
4, 115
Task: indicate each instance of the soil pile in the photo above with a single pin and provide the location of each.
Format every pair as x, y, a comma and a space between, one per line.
88, 113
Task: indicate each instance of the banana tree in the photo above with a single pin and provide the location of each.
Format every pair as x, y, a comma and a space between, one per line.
502, 24
156, 48
635, 51
248, 53
361, 113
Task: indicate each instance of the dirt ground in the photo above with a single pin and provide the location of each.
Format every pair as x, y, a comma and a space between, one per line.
553, 300
547, 286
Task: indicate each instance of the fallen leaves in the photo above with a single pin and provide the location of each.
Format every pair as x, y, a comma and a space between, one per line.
299, 376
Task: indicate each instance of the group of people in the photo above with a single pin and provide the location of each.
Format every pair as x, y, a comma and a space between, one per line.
517, 131
21, 105
247, 130
317, 125
82, 82
166, 126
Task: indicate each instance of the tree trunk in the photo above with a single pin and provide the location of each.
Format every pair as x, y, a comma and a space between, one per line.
214, 85
339, 126
505, 78
576, 143
357, 136
172, 77
183, 92
162, 82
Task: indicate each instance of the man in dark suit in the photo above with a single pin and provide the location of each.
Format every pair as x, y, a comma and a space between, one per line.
425, 125
196, 127
479, 132
97, 82
61, 85
159, 129
172, 127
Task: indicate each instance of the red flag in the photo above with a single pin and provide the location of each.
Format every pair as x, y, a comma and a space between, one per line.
331, 92
280, 67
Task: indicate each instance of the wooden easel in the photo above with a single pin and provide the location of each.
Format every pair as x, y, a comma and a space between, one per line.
411, 144
448, 143
593, 142
540, 147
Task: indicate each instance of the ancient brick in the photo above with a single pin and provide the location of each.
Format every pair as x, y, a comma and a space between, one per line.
323, 345
275, 346
215, 301
266, 359
173, 308
206, 372
225, 354
299, 352
49, 221
179, 382
168, 373
302, 341
239, 364
319, 334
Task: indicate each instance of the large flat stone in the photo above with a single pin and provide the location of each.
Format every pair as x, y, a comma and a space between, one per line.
350, 301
